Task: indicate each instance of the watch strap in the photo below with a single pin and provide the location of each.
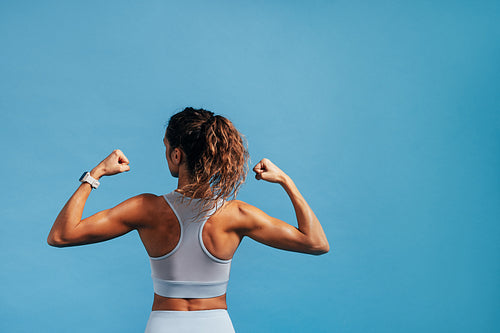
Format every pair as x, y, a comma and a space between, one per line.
87, 178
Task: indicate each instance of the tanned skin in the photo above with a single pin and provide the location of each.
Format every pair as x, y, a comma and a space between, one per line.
159, 229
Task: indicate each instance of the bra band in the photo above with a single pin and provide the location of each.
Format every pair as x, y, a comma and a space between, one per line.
189, 289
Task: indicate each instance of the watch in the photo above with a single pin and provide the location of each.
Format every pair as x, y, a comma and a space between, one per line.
87, 178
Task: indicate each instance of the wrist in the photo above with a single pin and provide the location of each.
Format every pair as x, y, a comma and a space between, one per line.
97, 173
285, 180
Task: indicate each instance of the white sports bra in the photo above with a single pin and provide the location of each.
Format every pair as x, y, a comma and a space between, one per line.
189, 270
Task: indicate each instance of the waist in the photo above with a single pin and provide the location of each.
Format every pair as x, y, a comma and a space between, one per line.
161, 303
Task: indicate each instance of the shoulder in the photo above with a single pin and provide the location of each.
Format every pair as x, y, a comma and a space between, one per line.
141, 207
238, 208
144, 200
240, 215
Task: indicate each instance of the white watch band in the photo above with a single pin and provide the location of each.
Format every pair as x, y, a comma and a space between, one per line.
87, 178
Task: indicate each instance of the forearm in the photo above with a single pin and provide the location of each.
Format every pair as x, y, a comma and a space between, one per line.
308, 223
71, 214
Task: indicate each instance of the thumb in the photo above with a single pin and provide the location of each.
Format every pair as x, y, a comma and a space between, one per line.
122, 159
124, 167
258, 171
258, 168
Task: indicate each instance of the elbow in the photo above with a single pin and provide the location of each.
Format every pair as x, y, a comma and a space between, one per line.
322, 250
55, 241
319, 248
52, 241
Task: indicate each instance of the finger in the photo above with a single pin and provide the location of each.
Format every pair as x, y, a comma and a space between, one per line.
121, 157
123, 161
124, 167
262, 167
257, 167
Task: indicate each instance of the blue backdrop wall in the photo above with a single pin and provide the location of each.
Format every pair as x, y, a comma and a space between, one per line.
385, 113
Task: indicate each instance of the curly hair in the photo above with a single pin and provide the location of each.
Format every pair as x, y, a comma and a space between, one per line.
216, 153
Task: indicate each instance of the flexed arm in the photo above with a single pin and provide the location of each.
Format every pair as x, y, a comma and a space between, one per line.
69, 229
309, 237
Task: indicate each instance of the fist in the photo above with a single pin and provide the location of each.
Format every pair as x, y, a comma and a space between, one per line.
115, 163
267, 171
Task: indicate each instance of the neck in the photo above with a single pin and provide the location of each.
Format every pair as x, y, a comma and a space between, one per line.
184, 178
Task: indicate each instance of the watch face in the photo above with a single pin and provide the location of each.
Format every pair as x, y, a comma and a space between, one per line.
83, 176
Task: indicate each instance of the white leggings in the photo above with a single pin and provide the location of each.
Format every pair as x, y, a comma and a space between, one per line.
205, 321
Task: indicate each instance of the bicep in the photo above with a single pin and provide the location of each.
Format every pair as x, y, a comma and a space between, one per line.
271, 231
109, 223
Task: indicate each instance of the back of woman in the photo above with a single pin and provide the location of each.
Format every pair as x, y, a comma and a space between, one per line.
192, 233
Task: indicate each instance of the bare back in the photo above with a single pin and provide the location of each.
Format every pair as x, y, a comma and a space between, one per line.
161, 233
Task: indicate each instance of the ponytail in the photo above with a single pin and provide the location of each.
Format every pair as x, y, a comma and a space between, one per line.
216, 152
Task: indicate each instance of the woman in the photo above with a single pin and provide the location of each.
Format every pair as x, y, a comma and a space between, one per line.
191, 234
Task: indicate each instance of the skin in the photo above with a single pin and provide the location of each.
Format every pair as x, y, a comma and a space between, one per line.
159, 229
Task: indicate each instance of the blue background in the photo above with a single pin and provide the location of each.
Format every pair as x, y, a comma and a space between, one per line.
385, 113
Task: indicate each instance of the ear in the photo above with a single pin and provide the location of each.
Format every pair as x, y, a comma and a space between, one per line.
177, 156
